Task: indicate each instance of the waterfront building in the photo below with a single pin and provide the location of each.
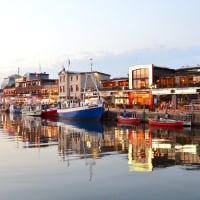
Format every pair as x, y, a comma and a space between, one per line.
71, 84
151, 85
115, 92
35, 86
145, 86
38, 86
8, 89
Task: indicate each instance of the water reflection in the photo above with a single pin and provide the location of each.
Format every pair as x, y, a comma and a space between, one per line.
31, 131
145, 148
80, 140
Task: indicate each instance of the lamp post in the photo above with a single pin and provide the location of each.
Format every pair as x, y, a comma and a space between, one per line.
124, 106
151, 103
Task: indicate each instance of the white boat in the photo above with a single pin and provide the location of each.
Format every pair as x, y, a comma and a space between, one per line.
185, 122
14, 109
31, 110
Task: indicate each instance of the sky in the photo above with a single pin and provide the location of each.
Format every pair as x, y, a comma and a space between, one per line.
42, 35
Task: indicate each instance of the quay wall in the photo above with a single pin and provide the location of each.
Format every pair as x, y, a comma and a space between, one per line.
194, 117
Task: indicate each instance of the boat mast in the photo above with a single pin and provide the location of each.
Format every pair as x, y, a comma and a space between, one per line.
92, 77
84, 91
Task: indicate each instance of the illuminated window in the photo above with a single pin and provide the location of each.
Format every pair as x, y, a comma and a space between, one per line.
140, 78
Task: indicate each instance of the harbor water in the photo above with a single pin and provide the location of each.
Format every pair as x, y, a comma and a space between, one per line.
48, 159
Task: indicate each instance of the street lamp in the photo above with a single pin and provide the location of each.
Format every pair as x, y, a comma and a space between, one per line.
151, 96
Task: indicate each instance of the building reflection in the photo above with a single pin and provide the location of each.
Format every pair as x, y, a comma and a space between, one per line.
79, 140
146, 148
30, 131
152, 148
140, 150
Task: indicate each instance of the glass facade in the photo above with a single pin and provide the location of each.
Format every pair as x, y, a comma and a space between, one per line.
140, 78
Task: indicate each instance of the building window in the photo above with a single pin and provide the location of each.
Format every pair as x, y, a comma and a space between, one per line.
140, 78
77, 89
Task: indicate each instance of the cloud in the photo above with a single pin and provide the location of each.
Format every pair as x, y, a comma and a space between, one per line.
115, 64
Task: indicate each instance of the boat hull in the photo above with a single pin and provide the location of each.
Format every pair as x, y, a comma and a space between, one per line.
166, 123
49, 112
85, 112
128, 120
32, 113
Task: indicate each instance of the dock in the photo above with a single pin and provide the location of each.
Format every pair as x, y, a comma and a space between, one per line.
111, 115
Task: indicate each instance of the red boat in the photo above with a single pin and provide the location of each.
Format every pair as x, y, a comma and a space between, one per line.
49, 112
168, 128
165, 122
128, 120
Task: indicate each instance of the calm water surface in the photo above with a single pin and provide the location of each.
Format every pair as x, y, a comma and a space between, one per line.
48, 159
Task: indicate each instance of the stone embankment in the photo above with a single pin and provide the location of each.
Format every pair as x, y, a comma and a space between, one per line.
111, 115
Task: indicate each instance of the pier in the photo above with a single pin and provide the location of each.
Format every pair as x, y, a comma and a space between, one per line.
144, 114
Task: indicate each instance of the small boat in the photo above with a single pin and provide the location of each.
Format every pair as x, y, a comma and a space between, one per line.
185, 122
49, 112
125, 119
14, 109
31, 110
128, 120
165, 122
153, 128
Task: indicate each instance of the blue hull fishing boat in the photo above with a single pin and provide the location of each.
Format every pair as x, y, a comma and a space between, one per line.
89, 107
93, 112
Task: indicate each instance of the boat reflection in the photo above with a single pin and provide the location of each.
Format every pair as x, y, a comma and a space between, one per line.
80, 140
146, 148
79, 137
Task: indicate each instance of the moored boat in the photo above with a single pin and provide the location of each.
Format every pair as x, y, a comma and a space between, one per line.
124, 118
90, 111
49, 112
31, 110
128, 120
185, 122
91, 108
165, 122
168, 128
14, 108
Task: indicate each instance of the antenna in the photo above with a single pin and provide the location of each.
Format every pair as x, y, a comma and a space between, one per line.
40, 68
18, 71
91, 63
68, 64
